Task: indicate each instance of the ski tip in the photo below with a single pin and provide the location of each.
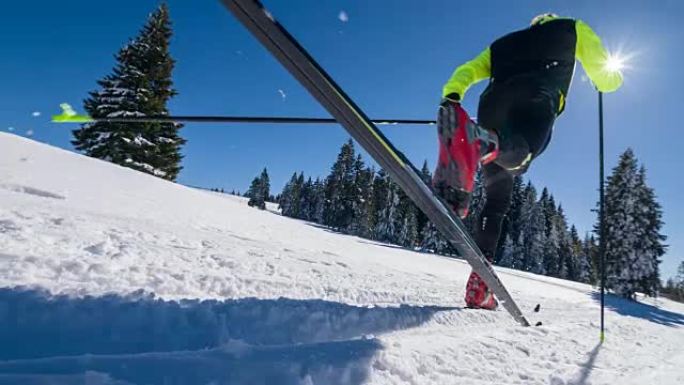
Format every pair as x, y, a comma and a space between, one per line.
537, 308
538, 324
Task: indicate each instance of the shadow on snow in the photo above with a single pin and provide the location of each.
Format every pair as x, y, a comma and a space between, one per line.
636, 309
139, 339
587, 367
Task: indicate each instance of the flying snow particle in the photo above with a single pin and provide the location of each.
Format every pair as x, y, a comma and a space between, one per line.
584, 78
343, 16
10, 129
29, 133
35, 114
282, 94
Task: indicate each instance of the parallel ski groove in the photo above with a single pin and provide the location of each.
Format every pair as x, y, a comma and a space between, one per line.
304, 68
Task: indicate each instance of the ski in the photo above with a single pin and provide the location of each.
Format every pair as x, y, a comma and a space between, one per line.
304, 68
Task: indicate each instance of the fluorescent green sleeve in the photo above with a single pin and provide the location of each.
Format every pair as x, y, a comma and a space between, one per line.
468, 74
593, 56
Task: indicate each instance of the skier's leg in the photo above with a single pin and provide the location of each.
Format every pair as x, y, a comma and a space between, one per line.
498, 184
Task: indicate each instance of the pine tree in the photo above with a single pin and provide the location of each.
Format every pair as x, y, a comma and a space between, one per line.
591, 250
512, 223
633, 241
407, 226
286, 203
433, 240
306, 199
340, 190
380, 201
567, 259
318, 201
582, 258
140, 85
477, 201
509, 253
254, 194
533, 232
259, 191
389, 221
362, 199
421, 218
553, 234
649, 218
265, 185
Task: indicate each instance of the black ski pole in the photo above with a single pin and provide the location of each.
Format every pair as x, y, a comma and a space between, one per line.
70, 116
602, 222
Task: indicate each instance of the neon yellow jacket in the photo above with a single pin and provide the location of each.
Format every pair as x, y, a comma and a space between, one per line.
588, 50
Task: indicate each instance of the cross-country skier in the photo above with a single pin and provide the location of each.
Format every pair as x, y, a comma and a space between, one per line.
529, 74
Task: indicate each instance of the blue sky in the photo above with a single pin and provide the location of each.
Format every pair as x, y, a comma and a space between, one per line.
392, 57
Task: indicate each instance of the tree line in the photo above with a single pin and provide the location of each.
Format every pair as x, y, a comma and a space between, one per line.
359, 200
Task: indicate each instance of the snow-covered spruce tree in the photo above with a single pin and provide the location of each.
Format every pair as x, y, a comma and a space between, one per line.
567, 263
297, 192
407, 235
306, 199
318, 200
582, 257
265, 184
533, 232
511, 252
651, 242
140, 85
362, 199
512, 224
477, 201
632, 238
553, 234
421, 218
339, 190
259, 191
286, 203
591, 250
380, 195
433, 241
389, 219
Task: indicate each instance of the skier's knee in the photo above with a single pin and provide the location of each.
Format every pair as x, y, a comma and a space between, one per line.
514, 155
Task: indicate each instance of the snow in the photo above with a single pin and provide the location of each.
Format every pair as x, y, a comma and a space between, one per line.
35, 114
112, 276
343, 16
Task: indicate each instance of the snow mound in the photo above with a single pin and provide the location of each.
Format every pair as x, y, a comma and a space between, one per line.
111, 276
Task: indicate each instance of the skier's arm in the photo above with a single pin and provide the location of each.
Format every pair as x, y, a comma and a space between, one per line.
593, 56
468, 74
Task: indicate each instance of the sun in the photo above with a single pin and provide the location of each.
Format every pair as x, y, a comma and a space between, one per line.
614, 63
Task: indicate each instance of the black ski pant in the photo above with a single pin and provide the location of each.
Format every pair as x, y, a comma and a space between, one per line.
522, 113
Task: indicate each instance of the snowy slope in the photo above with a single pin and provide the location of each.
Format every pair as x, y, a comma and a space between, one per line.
110, 276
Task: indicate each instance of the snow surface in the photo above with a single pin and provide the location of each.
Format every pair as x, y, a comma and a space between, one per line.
111, 276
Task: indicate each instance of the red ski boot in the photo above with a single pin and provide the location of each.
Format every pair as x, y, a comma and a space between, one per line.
462, 146
478, 295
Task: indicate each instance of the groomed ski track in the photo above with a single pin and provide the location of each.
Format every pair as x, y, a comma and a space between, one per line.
110, 276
